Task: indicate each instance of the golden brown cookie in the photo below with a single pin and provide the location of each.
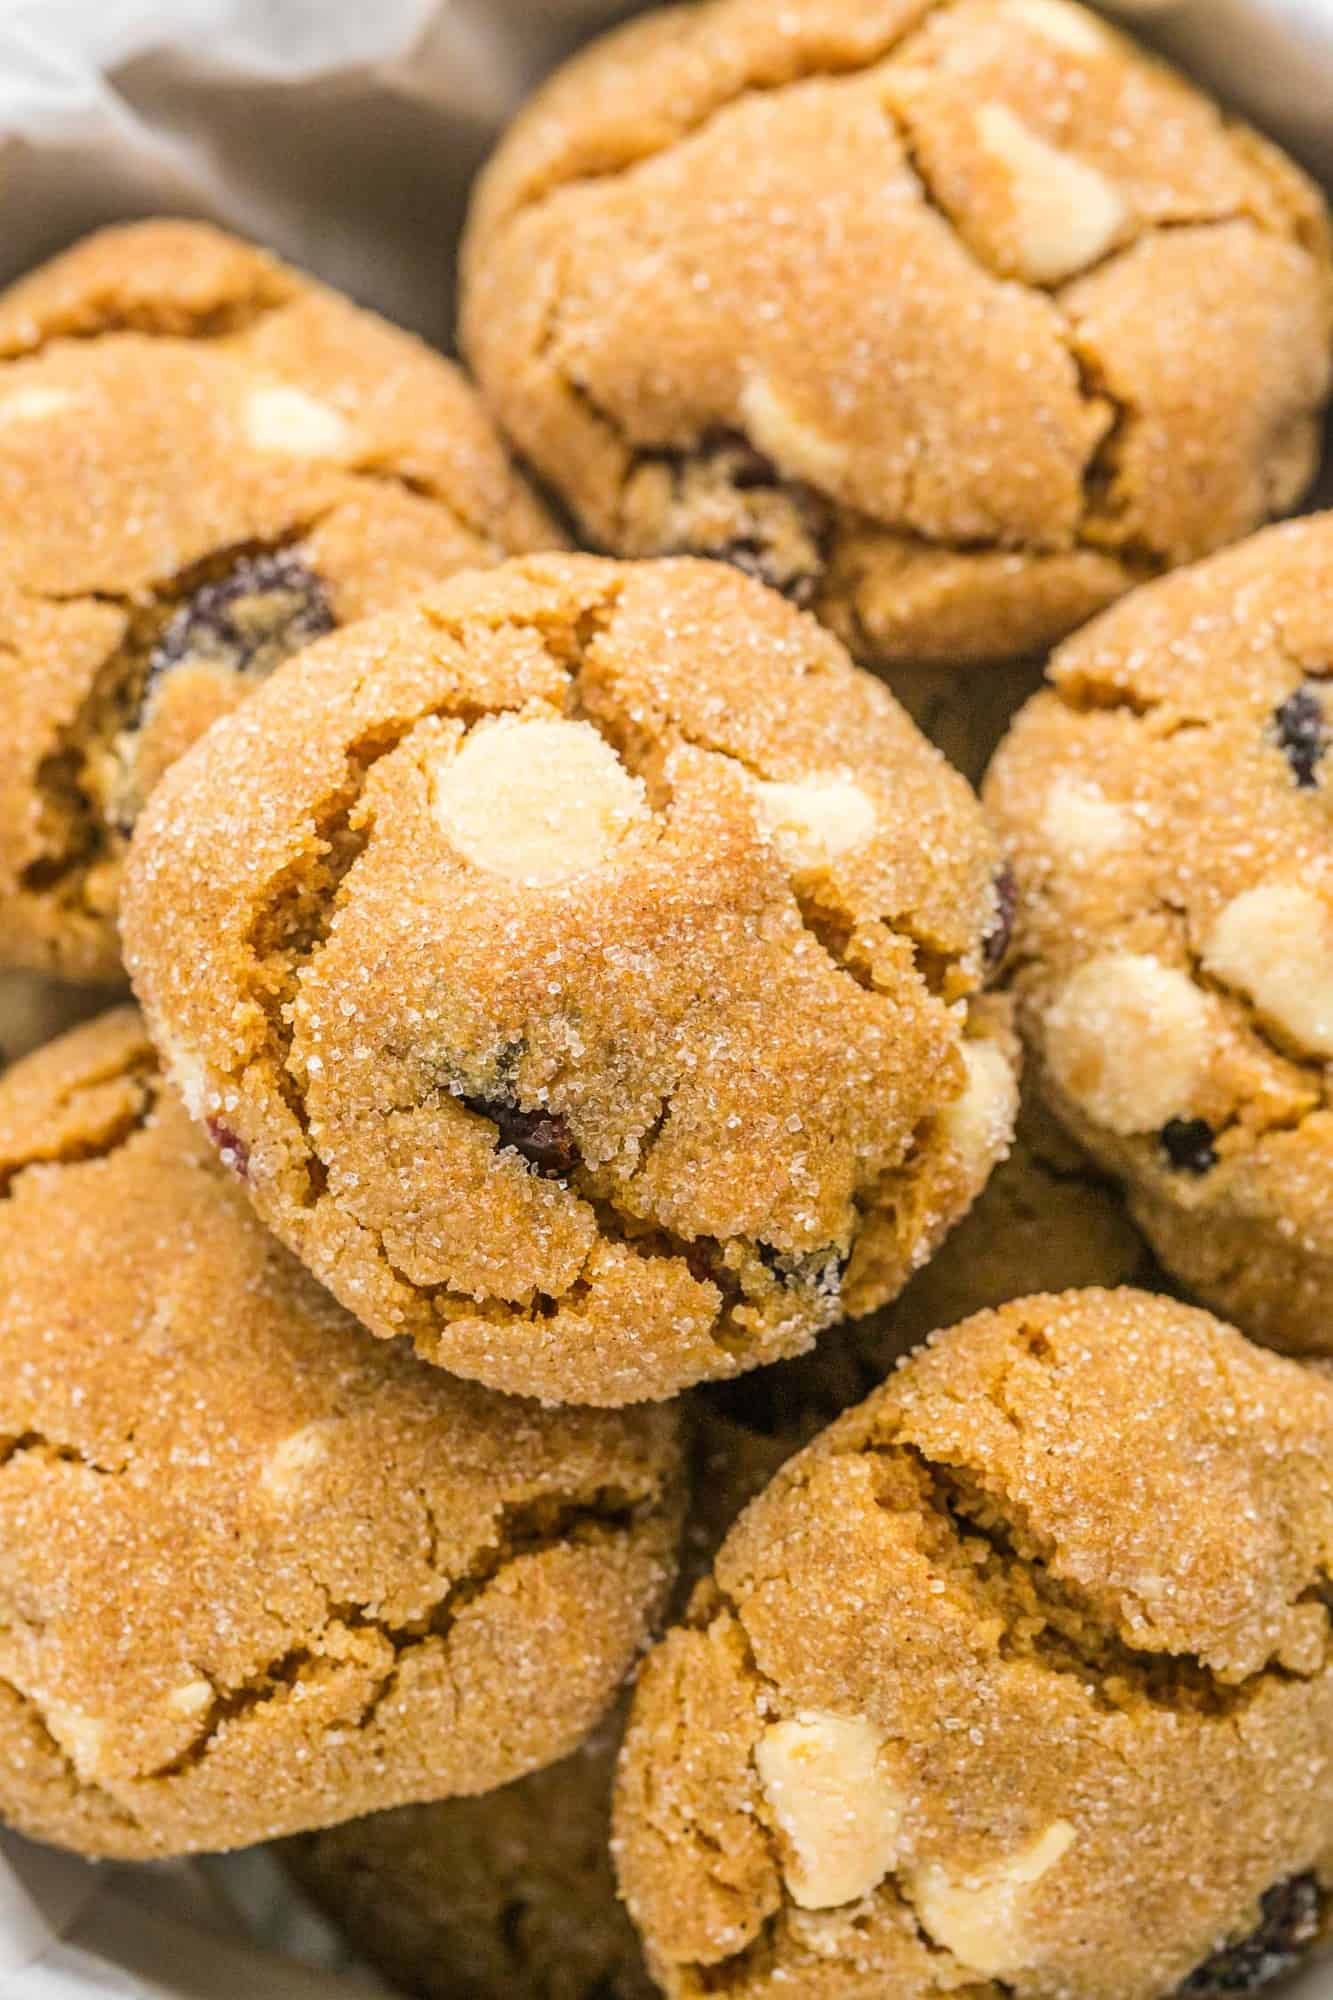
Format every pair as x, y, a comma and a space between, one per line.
1018, 1681
585, 964
951, 320
507, 1897
206, 459
1046, 1221
966, 715
34, 1010
1044, 1218
1169, 805
262, 1572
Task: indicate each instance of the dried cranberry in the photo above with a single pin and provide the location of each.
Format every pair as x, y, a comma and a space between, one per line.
233, 1149
798, 588
266, 607
1188, 1144
1288, 1926
995, 944
542, 1137
1302, 734
783, 525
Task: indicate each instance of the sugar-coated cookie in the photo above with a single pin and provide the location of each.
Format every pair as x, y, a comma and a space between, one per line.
511, 1896
1169, 806
584, 966
951, 320
1044, 1218
1017, 1681
261, 1572
206, 460
35, 1009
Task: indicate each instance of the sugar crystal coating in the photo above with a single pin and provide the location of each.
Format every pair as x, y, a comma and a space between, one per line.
1169, 820
207, 459
1018, 1679
261, 1571
588, 961
952, 321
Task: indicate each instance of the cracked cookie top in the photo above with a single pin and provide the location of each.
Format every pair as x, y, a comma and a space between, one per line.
1169, 805
219, 1619
585, 964
1018, 1680
206, 460
950, 320
1045, 1218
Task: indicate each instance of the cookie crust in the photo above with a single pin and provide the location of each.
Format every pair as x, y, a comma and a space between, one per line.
506, 1897
588, 961
1167, 803
219, 1620
206, 458
1017, 1680
1100, 349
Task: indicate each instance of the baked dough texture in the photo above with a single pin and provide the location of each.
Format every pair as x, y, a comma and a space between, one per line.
1169, 806
952, 320
585, 965
1017, 1681
507, 1897
206, 459
1044, 1218
261, 1572
35, 1009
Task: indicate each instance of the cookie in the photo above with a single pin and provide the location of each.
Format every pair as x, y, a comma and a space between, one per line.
206, 460
1044, 1218
965, 715
34, 1010
507, 1897
1169, 805
1018, 1680
585, 963
950, 320
262, 1572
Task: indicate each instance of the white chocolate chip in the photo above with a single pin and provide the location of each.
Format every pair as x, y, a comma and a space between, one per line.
280, 418
536, 799
190, 1699
80, 1736
979, 1125
30, 405
795, 447
1128, 1039
286, 1467
1275, 943
980, 1917
1066, 213
1079, 821
1056, 21
815, 819
187, 1075
833, 1804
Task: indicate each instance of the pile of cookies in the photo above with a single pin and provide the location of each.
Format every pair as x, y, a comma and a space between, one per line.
475, 1409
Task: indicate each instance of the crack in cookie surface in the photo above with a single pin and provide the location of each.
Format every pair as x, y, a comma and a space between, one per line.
637, 349
559, 752
931, 1612
1173, 839
221, 1612
524, 1530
